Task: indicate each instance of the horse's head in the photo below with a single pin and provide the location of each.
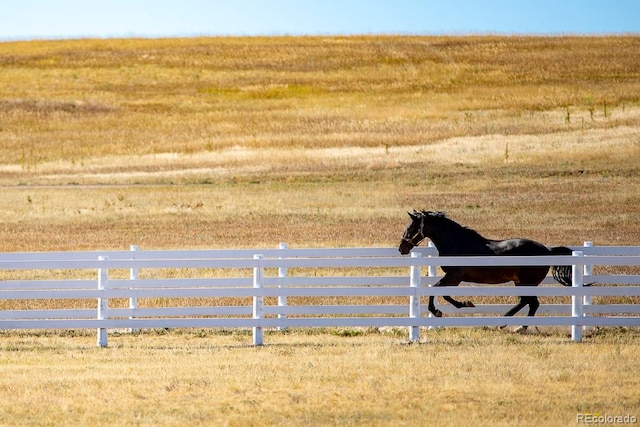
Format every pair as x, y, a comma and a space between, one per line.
413, 234
418, 229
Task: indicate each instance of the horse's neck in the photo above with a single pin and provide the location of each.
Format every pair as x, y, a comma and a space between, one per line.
457, 240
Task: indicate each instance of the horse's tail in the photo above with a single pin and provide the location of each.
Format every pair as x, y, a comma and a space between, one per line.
562, 273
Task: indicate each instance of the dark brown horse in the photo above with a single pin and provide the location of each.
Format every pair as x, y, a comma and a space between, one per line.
452, 239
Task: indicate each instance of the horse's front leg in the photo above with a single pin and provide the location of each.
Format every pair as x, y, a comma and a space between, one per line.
459, 304
452, 278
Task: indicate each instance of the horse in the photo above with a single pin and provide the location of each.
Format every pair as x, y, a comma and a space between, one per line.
453, 239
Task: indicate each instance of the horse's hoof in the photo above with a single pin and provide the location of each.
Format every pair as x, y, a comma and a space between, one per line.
468, 304
520, 330
437, 313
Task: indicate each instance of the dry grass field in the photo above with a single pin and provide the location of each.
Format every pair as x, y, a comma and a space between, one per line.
460, 377
316, 141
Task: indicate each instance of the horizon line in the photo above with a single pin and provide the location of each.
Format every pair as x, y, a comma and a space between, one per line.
152, 36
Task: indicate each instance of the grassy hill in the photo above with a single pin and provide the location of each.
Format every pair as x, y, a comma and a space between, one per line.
316, 140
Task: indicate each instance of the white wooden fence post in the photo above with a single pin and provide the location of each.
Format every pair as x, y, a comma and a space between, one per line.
588, 271
133, 301
414, 299
103, 303
433, 269
577, 300
258, 307
282, 299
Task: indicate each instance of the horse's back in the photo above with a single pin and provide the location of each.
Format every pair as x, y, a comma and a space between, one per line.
518, 247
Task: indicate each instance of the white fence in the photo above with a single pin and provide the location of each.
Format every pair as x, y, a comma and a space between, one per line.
262, 284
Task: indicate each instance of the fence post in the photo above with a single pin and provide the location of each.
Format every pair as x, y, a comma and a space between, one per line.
258, 307
103, 303
414, 299
588, 271
282, 299
133, 275
433, 269
577, 300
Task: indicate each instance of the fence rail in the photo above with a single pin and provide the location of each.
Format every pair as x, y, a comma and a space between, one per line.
374, 287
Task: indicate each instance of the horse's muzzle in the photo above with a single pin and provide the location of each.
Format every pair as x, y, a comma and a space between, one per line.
405, 247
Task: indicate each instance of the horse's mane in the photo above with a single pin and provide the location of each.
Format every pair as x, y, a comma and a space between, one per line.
451, 224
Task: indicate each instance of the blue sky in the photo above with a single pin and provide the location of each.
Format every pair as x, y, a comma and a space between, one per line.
28, 19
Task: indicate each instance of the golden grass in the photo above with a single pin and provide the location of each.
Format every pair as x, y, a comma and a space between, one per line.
315, 141
301, 378
274, 134
95, 98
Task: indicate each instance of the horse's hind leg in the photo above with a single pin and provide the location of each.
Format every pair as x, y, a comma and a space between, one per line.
531, 301
516, 308
527, 277
533, 307
523, 301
